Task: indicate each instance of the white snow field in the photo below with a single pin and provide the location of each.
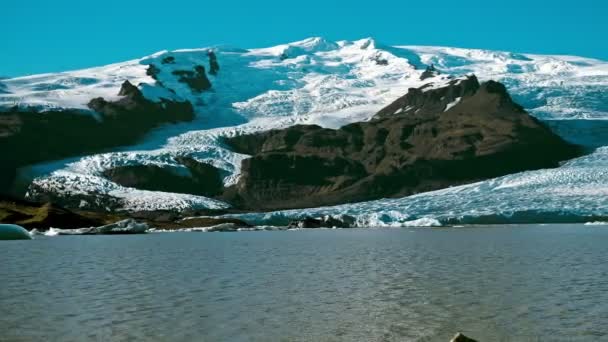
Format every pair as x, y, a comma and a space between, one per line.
316, 81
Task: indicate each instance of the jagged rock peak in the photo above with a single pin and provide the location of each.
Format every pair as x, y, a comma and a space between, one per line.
432, 98
128, 89
430, 72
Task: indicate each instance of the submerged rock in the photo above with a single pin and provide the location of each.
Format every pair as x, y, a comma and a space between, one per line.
13, 232
461, 338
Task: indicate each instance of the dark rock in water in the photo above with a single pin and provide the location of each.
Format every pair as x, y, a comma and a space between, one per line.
461, 338
429, 139
214, 66
197, 178
13, 232
197, 80
429, 72
168, 60
57, 134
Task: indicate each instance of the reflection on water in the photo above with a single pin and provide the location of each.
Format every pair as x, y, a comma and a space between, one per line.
517, 283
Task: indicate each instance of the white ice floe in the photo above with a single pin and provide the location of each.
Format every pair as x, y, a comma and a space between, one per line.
128, 226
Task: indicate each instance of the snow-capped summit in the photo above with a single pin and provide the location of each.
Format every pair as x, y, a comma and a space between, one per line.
312, 81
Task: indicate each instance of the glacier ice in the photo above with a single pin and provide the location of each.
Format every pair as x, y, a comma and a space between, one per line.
316, 81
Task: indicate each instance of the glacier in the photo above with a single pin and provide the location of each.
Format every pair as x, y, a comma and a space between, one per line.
316, 81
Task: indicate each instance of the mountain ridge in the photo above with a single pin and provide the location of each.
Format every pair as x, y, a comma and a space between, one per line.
335, 87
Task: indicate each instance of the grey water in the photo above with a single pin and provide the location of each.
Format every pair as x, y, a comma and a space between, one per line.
500, 283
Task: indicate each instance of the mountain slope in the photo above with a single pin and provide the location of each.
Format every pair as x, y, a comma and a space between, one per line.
308, 82
426, 140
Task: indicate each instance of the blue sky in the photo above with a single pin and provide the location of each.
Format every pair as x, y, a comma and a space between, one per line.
48, 36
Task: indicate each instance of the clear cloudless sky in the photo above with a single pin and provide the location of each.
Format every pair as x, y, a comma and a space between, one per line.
57, 35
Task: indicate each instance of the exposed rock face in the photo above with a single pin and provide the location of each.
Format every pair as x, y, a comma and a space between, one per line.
152, 71
200, 179
433, 141
168, 60
63, 133
214, 66
429, 72
43, 216
428, 100
197, 80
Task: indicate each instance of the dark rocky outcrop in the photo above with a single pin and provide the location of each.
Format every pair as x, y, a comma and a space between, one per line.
59, 134
430, 99
197, 80
168, 60
429, 72
152, 71
46, 215
420, 148
214, 66
197, 178
43, 216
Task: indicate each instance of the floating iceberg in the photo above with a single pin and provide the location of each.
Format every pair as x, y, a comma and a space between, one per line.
13, 232
128, 226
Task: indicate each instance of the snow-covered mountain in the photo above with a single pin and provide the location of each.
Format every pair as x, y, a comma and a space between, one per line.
316, 81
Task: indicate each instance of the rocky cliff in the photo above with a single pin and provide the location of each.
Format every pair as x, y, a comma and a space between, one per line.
433, 137
42, 136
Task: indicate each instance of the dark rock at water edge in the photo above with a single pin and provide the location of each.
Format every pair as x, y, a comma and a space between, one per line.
43, 216
46, 215
411, 147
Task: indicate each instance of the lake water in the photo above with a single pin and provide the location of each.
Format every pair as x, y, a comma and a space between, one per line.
502, 283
